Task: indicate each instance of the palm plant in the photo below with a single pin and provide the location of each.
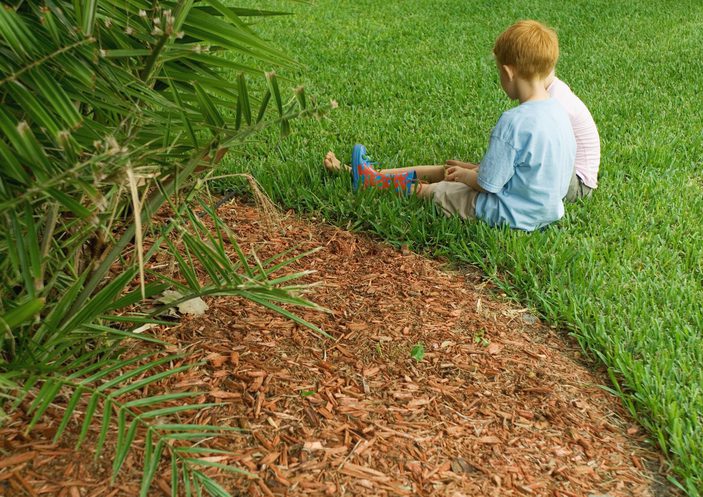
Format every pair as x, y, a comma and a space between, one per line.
112, 111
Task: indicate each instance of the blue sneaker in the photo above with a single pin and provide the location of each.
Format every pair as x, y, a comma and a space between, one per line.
363, 174
360, 165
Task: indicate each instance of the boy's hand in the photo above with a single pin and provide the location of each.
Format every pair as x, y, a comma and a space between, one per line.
467, 176
457, 173
464, 165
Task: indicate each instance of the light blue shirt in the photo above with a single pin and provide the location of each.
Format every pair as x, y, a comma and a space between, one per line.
528, 166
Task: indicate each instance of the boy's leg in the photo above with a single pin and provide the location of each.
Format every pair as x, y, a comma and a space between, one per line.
577, 190
397, 177
333, 164
453, 197
431, 174
424, 190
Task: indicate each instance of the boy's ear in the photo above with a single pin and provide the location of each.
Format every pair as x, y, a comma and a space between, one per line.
509, 71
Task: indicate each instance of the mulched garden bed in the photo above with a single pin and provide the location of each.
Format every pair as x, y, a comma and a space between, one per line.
499, 405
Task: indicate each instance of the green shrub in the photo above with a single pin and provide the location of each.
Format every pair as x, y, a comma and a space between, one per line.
111, 111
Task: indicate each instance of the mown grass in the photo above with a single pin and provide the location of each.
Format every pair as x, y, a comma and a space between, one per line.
623, 271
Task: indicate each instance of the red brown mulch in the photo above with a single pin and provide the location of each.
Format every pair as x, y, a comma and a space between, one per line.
500, 405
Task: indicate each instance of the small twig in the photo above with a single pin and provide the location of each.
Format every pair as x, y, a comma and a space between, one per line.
153, 57
350, 454
38, 62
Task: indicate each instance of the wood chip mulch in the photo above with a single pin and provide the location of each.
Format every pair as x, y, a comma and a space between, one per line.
499, 405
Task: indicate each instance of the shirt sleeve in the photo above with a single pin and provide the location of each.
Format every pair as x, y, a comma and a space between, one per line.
497, 166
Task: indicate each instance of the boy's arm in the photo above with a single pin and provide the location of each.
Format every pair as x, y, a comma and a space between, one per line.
465, 165
467, 176
498, 165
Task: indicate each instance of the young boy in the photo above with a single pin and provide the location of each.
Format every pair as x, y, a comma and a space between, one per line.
587, 162
585, 178
526, 170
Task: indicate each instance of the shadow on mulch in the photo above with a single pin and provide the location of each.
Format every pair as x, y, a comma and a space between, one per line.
498, 405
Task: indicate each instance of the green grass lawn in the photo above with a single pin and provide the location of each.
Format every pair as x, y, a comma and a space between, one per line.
623, 272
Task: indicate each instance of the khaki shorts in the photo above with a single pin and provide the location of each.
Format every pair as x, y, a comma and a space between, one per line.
577, 189
454, 198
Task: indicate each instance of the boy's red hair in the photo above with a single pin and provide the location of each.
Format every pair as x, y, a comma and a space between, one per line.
530, 47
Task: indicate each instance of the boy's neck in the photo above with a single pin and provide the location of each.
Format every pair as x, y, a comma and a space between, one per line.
530, 90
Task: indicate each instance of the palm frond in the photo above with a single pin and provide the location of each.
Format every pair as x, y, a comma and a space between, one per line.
111, 113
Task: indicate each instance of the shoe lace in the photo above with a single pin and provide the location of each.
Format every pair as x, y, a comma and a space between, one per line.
368, 160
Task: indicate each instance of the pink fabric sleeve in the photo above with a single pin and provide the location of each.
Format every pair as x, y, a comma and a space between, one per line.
585, 131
